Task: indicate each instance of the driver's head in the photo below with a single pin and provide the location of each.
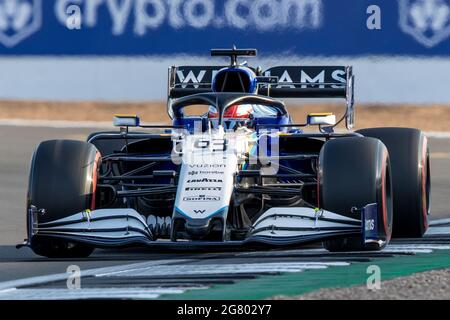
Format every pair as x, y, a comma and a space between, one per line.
234, 112
234, 116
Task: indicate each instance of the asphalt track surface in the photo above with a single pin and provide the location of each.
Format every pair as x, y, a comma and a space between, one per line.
107, 272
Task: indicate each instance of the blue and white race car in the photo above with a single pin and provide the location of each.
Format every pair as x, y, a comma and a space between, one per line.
232, 170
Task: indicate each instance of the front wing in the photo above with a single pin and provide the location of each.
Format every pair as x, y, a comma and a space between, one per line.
284, 226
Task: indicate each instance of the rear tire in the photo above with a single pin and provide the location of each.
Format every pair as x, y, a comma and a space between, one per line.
355, 172
410, 161
63, 179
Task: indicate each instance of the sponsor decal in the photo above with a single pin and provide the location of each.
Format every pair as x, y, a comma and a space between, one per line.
193, 173
370, 220
204, 180
428, 21
287, 76
201, 198
145, 16
199, 211
203, 189
130, 24
193, 76
18, 20
127, 25
290, 77
21, 18
370, 224
207, 165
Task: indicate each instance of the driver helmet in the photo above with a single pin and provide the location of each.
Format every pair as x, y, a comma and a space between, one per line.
234, 115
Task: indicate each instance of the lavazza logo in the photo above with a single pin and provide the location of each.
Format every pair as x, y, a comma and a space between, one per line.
428, 21
18, 20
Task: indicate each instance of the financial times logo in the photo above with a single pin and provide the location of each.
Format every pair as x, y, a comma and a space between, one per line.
18, 20
428, 21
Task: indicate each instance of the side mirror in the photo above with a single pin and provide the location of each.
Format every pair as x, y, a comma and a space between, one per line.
321, 119
126, 120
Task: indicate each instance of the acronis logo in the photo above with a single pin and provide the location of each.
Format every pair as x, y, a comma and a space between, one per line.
18, 20
428, 21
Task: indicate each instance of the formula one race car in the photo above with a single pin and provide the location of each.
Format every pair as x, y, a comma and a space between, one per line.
232, 170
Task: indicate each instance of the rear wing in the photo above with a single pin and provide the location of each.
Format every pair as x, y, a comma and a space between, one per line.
278, 82
307, 82
312, 82
188, 80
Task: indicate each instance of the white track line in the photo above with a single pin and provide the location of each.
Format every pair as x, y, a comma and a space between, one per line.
290, 251
9, 291
91, 293
211, 269
438, 231
439, 222
418, 247
91, 272
406, 251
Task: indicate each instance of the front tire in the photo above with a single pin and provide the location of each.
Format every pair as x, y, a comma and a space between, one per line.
410, 161
63, 179
355, 172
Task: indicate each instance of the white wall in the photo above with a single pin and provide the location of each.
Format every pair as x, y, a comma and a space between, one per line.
378, 79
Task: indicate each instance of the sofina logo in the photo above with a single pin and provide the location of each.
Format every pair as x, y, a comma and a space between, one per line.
18, 20
428, 21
